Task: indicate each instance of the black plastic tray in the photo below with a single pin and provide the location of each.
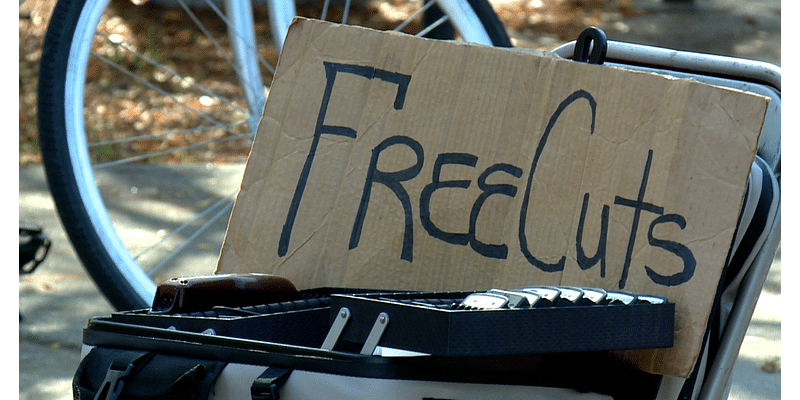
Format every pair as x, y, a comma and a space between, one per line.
447, 332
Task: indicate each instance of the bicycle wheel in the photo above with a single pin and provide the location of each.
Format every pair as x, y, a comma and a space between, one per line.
147, 111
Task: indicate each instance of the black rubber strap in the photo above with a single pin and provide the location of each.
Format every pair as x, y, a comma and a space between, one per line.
120, 369
267, 385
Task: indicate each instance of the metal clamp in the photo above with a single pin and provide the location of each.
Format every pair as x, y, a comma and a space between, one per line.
375, 334
336, 328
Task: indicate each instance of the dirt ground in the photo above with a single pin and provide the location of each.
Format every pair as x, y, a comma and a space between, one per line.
540, 24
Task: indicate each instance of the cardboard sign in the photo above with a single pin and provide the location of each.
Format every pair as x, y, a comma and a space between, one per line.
386, 161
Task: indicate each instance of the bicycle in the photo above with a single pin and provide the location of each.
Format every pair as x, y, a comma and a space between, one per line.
716, 71
149, 106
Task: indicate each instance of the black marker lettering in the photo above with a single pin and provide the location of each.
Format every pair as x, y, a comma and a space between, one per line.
499, 251
331, 69
436, 183
523, 239
392, 181
689, 262
585, 262
638, 206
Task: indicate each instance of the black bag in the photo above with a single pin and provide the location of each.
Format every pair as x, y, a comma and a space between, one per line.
109, 374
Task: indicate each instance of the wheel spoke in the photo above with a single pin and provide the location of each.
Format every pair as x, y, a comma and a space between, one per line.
208, 35
433, 26
346, 11
414, 16
169, 151
159, 90
164, 135
325, 7
184, 80
225, 19
196, 234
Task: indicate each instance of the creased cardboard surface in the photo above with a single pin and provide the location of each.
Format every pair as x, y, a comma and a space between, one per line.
391, 162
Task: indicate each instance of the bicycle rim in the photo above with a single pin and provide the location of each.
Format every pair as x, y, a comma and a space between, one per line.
95, 171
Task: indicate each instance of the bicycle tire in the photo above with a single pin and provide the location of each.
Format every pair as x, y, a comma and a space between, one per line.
63, 140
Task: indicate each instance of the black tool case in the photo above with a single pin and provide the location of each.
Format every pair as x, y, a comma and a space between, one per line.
558, 347
427, 322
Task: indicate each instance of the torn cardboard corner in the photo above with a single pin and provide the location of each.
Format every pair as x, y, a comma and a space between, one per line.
386, 161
